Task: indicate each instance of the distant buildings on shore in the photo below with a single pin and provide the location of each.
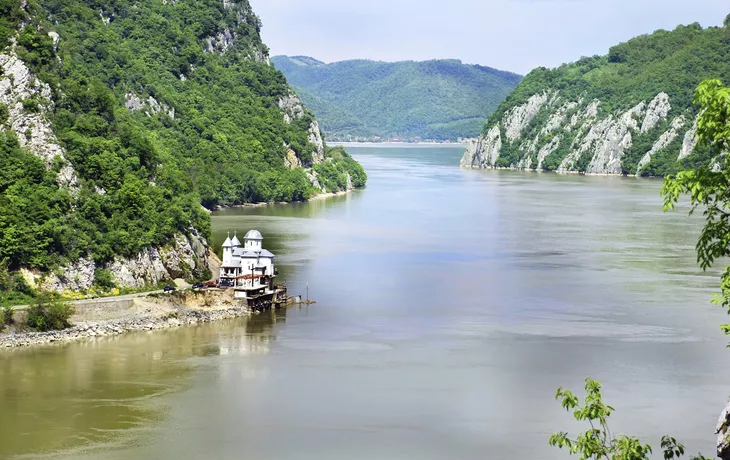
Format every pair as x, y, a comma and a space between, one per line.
391, 140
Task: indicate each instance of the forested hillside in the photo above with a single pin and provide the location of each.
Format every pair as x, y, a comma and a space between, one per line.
119, 119
439, 100
628, 112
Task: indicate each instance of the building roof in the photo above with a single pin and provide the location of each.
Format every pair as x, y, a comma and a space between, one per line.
248, 254
228, 243
235, 241
253, 235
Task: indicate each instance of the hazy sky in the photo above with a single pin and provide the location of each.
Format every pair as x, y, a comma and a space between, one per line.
515, 35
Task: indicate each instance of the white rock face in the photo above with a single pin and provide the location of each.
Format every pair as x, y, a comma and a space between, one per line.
312, 176
179, 258
546, 150
33, 127
291, 160
292, 107
315, 138
604, 139
557, 119
658, 109
605, 142
590, 112
176, 260
525, 163
221, 42
56, 38
153, 265
483, 152
517, 119
146, 268
689, 142
664, 140
615, 141
151, 105
76, 277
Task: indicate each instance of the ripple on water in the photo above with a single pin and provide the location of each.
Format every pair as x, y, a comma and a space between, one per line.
334, 345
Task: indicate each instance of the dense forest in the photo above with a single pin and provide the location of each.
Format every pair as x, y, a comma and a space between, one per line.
159, 107
636, 72
439, 100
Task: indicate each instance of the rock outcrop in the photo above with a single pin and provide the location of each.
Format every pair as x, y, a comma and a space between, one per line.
29, 105
568, 136
483, 152
186, 255
225, 39
723, 436
663, 142
293, 109
517, 119
689, 142
151, 106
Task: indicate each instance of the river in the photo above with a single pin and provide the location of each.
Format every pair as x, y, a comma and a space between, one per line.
450, 306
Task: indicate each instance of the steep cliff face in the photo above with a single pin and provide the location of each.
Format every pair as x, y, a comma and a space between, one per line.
572, 137
626, 113
186, 256
294, 110
120, 122
30, 105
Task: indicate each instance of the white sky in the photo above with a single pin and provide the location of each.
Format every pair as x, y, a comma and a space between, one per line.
515, 35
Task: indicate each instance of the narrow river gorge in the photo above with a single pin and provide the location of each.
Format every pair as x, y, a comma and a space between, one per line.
451, 304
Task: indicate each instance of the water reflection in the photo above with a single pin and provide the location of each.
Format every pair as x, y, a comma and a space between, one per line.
60, 400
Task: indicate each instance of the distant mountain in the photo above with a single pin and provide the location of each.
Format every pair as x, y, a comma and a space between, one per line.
440, 100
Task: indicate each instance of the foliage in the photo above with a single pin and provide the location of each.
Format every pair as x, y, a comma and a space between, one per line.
4, 113
48, 313
333, 172
708, 187
674, 62
599, 442
104, 279
210, 130
10, 16
440, 99
6, 317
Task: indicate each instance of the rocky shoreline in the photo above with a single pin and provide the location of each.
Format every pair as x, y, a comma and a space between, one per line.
177, 318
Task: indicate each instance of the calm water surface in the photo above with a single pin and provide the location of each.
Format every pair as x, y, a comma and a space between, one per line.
450, 306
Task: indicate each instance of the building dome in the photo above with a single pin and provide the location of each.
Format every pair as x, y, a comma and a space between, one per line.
253, 235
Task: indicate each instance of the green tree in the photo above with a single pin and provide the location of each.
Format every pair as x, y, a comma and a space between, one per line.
599, 442
49, 314
708, 186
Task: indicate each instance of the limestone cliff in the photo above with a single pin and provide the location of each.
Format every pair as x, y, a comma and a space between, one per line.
29, 107
186, 257
629, 112
550, 132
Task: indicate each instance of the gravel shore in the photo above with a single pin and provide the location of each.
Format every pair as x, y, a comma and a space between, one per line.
143, 315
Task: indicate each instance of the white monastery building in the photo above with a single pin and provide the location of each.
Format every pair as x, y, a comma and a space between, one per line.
248, 265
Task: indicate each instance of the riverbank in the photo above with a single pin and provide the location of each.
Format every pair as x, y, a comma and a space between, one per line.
262, 204
154, 312
399, 144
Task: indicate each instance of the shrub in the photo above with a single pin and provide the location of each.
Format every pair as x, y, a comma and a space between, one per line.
4, 113
6, 317
49, 314
31, 105
104, 278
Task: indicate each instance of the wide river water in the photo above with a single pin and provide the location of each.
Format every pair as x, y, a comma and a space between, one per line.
450, 306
